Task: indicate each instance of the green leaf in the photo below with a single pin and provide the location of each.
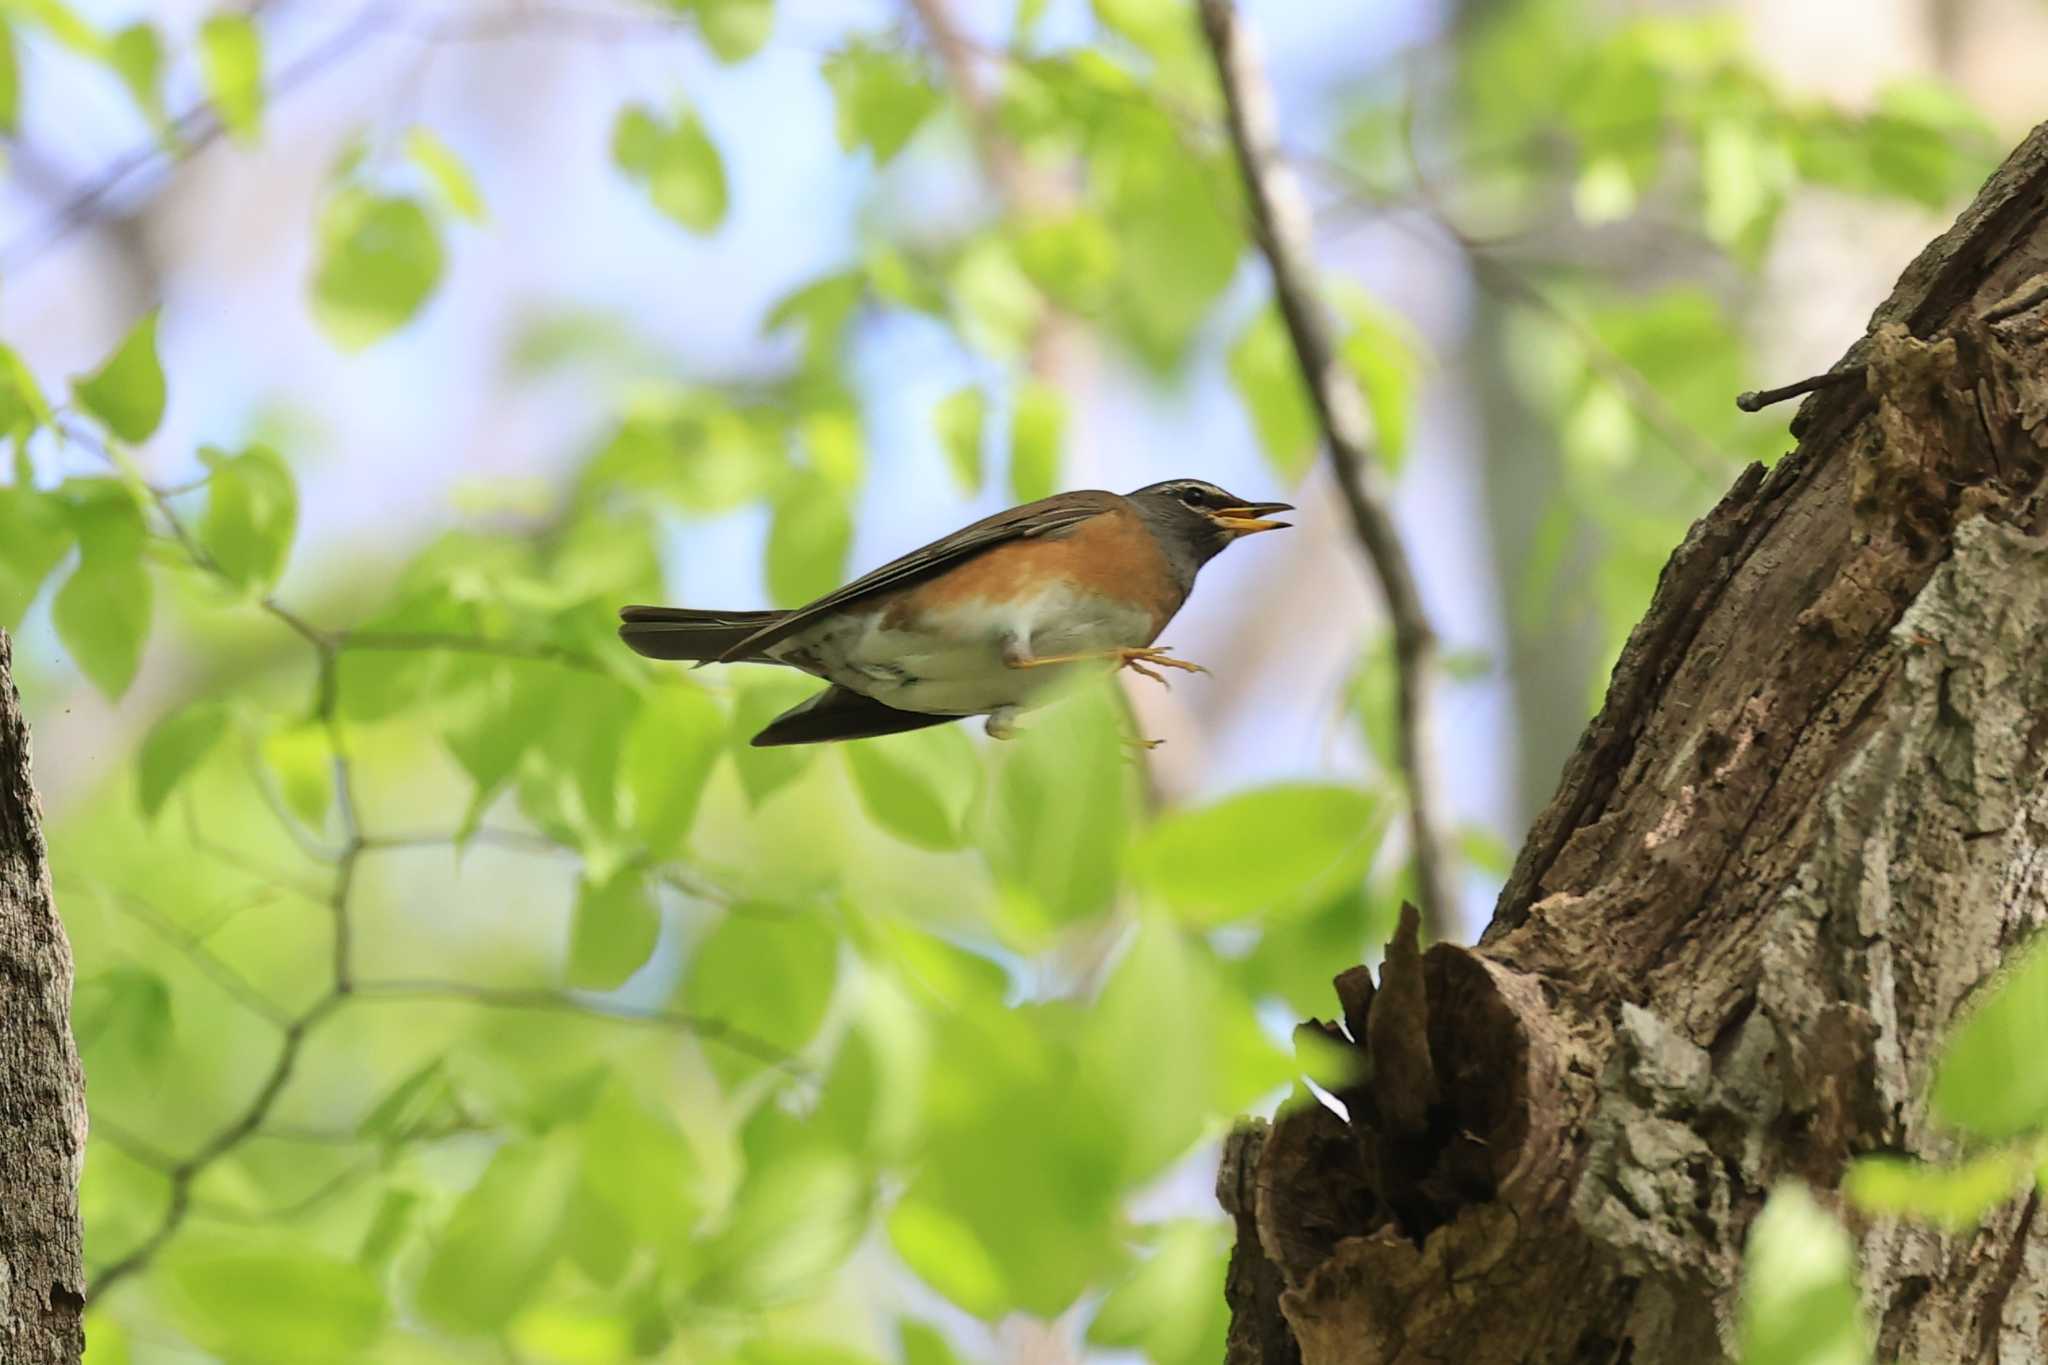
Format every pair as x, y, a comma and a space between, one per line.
1273, 851
136, 54
10, 82
917, 786
924, 1344
1799, 1304
127, 392
883, 96
1057, 818
451, 179
1268, 383
34, 538
279, 1300
676, 163
1038, 418
792, 1224
613, 934
768, 974
1172, 1307
301, 758
22, 405
502, 1239
102, 612
763, 772
173, 748
125, 1011
961, 419
638, 1163
1956, 1197
62, 23
1384, 356
808, 541
379, 261
734, 30
1990, 1081
231, 68
667, 760
1176, 218
252, 511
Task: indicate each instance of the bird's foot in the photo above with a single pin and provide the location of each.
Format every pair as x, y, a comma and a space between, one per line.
1001, 723
1141, 661
1138, 744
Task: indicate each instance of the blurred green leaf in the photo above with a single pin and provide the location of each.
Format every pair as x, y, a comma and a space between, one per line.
808, 541
765, 972
501, 1241
252, 511
62, 23
917, 786
676, 162
34, 538
103, 610
613, 932
1956, 1197
734, 30
1175, 216
1296, 958
996, 307
379, 261
792, 1223
175, 746
451, 179
1384, 355
1269, 385
10, 82
639, 1163
274, 1301
1055, 827
231, 68
1799, 1304
127, 391
668, 758
124, 1011
301, 759
763, 772
1989, 1081
883, 95
1271, 852
22, 405
1172, 1307
1037, 421
961, 418
924, 1344
136, 55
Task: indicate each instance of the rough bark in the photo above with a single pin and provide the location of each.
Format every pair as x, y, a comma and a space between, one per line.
1801, 835
42, 1093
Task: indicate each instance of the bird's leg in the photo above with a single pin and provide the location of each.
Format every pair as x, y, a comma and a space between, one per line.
1001, 723
1017, 655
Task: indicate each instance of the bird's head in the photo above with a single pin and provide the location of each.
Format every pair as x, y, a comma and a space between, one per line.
1198, 516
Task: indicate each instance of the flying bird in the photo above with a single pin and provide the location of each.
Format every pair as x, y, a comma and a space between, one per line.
982, 622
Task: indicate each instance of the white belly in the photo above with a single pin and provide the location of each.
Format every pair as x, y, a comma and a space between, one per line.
952, 663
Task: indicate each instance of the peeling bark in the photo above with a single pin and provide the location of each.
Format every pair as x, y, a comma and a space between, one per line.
42, 1093
1805, 829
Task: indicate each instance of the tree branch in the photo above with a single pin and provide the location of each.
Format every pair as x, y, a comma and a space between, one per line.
1281, 225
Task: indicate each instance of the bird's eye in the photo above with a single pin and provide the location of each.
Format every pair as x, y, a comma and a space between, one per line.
1191, 496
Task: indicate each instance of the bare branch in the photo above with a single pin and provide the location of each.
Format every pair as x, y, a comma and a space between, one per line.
1281, 224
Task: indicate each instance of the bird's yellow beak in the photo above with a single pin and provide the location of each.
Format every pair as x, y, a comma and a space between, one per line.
1251, 519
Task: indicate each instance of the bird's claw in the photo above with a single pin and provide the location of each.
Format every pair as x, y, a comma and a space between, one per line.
1137, 660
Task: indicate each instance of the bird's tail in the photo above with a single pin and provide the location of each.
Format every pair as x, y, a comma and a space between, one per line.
685, 633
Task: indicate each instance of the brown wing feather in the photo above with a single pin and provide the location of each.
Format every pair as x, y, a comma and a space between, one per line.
1047, 516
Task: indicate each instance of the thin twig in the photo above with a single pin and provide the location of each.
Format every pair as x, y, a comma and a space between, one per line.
430, 990
238, 987
538, 651
1756, 400
1281, 224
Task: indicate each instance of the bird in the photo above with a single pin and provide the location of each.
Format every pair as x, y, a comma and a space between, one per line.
983, 622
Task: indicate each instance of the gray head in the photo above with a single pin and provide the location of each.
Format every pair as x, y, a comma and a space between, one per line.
1196, 519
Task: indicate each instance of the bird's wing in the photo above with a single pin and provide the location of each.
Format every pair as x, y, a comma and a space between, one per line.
1047, 516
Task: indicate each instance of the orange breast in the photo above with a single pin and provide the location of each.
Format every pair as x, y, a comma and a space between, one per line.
1112, 554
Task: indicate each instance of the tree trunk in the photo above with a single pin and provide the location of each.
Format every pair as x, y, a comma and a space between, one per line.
42, 1092
1799, 838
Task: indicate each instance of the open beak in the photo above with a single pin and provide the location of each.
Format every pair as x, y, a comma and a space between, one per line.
1252, 518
